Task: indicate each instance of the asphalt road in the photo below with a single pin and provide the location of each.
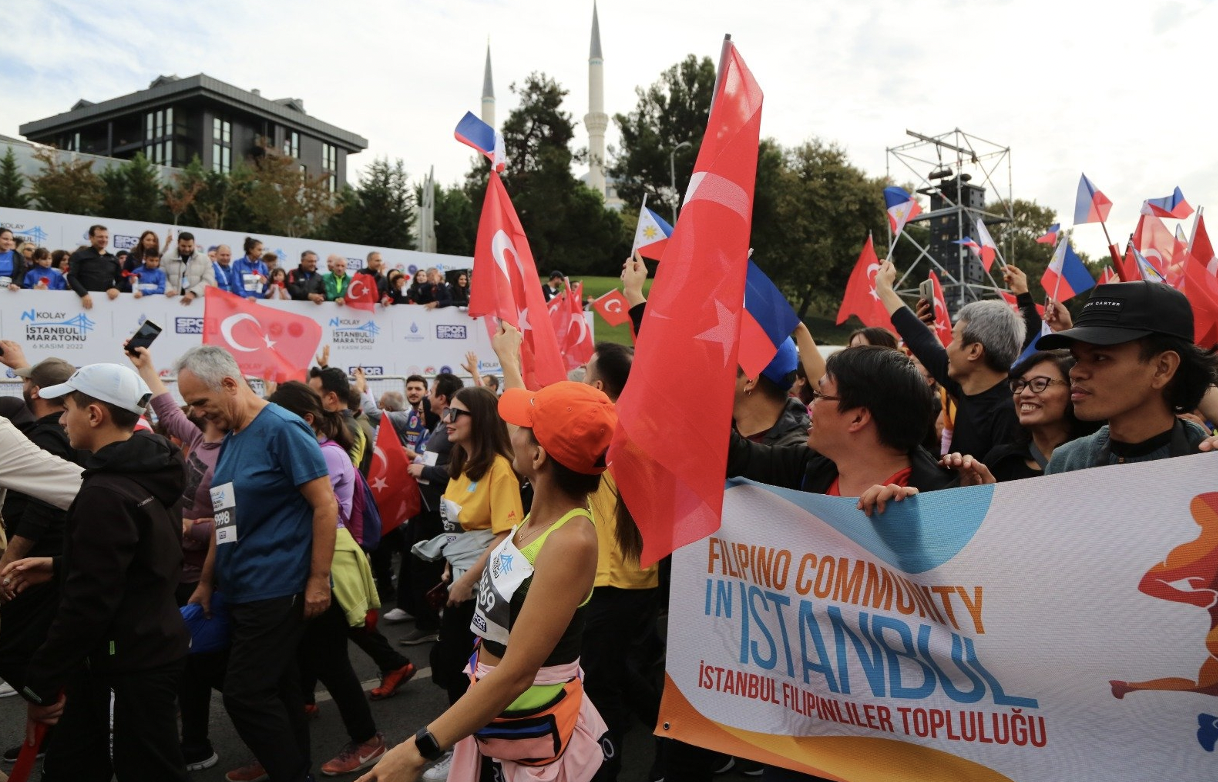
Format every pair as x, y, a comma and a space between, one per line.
416, 703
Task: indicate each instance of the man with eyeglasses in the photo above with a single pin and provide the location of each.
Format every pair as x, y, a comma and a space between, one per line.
986, 340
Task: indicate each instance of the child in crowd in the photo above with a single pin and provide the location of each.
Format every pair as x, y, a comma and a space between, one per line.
277, 288
149, 278
59, 260
43, 276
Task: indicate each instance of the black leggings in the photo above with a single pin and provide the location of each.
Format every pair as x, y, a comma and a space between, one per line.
323, 657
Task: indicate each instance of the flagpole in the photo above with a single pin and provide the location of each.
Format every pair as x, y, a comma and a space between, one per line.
1057, 285
1116, 256
727, 45
1193, 234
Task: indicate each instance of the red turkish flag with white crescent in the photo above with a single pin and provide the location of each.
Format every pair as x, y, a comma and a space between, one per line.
267, 343
613, 307
943, 319
506, 286
395, 490
362, 293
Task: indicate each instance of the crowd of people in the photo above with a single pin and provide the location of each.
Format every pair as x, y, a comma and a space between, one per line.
180, 267
158, 553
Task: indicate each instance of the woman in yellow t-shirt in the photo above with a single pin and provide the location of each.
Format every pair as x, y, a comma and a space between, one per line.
482, 504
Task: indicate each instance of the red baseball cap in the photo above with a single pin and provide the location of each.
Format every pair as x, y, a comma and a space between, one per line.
572, 421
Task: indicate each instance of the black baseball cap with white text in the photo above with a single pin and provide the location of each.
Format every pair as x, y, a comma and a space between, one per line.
1121, 312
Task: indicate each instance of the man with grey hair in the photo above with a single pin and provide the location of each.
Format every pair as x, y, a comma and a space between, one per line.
392, 402
276, 519
973, 367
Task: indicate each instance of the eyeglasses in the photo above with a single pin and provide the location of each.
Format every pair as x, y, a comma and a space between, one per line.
452, 414
818, 396
1038, 384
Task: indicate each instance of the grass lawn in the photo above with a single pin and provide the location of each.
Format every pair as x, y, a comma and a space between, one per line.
823, 329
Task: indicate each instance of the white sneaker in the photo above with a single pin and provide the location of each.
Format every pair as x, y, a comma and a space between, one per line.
439, 772
396, 615
6, 689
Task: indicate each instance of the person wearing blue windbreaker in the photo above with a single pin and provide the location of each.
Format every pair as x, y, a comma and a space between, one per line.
150, 278
249, 274
42, 275
223, 267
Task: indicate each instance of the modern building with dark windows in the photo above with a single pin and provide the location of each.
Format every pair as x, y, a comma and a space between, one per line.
177, 118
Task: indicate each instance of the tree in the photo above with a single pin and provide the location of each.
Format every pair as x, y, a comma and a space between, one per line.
285, 200
386, 202
812, 210
456, 223
133, 191
671, 111
566, 222
12, 183
66, 185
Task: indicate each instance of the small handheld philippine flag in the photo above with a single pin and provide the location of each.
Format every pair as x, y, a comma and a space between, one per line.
475, 133
901, 208
1172, 206
651, 237
1091, 206
1050, 236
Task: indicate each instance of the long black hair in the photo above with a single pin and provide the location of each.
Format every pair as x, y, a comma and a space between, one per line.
1063, 362
298, 398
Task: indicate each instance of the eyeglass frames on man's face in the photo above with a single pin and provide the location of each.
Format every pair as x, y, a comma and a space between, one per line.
818, 396
1038, 384
452, 414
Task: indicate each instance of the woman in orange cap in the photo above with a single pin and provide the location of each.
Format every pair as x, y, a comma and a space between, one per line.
526, 711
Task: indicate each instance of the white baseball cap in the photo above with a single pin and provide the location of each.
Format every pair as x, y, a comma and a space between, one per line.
113, 383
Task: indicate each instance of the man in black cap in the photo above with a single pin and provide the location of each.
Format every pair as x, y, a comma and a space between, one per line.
555, 286
1138, 369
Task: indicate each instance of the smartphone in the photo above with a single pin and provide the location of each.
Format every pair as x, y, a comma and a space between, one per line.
144, 337
926, 289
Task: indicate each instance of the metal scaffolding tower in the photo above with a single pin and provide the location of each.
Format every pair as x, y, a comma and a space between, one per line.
954, 170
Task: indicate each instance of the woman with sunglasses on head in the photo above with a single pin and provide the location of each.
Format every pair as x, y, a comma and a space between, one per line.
481, 505
1041, 387
526, 717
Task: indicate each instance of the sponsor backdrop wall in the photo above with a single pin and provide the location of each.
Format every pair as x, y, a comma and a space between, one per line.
67, 232
398, 340
1058, 628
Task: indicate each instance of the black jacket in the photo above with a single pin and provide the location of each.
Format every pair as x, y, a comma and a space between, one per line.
34, 520
302, 283
800, 467
20, 267
89, 270
119, 569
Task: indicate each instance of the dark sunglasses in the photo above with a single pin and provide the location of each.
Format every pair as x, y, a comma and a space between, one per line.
452, 414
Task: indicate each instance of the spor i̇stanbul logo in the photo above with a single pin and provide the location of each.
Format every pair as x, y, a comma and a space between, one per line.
56, 328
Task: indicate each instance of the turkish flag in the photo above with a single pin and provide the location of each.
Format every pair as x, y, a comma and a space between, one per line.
1200, 285
393, 487
612, 307
267, 343
669, 457
575, 339
861, 300
361, 292
506, 286
943, 320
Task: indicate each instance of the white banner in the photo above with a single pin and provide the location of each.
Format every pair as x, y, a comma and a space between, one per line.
402, 339
67, 232
1063, 627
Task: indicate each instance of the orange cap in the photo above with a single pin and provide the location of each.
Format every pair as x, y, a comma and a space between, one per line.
572, 421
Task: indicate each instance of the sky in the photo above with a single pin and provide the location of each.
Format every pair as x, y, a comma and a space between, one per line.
1121, 91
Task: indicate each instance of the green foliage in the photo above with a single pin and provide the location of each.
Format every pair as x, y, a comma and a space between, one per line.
380, 212
66, 185
133, 191
812, 210
282, 198
12, 183
456, 223
567, 224
669, 112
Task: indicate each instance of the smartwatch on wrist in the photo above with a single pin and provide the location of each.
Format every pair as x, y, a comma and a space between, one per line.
426, 744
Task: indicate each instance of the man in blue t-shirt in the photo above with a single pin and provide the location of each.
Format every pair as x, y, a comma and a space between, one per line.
275, 523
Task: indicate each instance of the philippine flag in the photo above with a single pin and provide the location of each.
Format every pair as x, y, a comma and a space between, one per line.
988, 250
969, 243
475, 133
1091, 206
651, 237
1146, 268
1173, 206
1067, 275
1108, 275
1050, 236
901, 208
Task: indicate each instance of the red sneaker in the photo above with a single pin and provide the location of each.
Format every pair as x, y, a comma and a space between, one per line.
391, 681
356, 757
254, 772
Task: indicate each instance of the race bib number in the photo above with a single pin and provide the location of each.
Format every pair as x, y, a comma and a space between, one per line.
252, 282
224, 505
449, 511
505, 571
